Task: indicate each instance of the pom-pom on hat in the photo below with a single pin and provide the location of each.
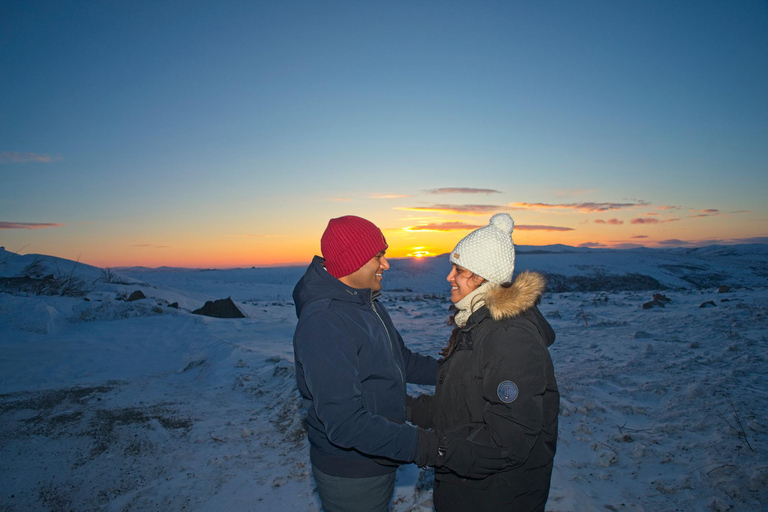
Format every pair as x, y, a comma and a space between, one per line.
348, 243
489, 252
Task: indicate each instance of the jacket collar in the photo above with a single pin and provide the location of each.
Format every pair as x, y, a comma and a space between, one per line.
525, 292
318, 284
501, 303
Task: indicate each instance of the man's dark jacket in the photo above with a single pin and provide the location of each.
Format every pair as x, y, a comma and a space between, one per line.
351, 369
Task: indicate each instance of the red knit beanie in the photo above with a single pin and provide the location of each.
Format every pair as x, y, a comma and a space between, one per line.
348, 243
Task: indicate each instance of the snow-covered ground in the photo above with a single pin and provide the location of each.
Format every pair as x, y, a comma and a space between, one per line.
116, 405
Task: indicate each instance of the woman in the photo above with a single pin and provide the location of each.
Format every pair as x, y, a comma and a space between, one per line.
496, 383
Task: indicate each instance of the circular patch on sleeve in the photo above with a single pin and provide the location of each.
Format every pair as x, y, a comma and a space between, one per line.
507, 391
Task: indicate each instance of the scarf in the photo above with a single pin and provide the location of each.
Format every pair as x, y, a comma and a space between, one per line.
473, 301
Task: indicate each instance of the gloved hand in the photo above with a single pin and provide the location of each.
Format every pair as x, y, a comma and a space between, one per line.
459, 455
421, 410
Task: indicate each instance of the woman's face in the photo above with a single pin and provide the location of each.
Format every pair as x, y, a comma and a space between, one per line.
462, 282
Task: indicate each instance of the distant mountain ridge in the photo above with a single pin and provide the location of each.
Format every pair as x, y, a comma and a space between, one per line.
601, 269
566, 269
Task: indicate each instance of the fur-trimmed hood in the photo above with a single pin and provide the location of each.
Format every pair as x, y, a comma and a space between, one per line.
525, 292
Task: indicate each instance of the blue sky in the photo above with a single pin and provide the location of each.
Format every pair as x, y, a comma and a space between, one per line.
201, 133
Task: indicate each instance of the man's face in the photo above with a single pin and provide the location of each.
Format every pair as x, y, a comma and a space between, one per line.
369, 275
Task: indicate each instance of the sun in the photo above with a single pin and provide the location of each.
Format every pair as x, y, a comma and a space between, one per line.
418, 252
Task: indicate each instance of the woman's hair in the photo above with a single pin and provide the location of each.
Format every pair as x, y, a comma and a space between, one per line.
451, 346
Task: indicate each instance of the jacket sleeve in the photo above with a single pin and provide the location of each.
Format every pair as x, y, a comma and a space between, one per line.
514, 382
328, 355
419, 369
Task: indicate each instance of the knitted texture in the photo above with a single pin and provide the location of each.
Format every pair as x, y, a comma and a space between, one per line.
489, 252
348, 243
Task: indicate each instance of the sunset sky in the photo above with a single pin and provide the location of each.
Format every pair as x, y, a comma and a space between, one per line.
223, 134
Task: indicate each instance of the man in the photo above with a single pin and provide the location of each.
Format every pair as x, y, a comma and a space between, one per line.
351, 369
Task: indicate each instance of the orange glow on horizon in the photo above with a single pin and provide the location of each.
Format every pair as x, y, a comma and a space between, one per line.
212, 249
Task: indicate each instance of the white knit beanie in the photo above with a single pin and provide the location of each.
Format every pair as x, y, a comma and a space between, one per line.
489, 252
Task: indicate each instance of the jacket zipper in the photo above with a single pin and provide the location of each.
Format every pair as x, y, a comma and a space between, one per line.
391, 345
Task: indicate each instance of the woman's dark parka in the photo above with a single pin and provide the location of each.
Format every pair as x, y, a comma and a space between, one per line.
498, 387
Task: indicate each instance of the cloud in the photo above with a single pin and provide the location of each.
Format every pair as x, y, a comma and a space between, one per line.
340, 200
614, 222
651, 221
389, 196
705, 213
15, 157
533, 227
640, 236
462, 191
470, 209
463, 226
444, 226
29, 225
151, 246
582, 207
592, 244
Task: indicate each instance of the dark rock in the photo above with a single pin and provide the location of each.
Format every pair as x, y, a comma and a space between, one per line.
708, 304
174, 305
723, 288
653, 304
661, 298
222, 308
137, 295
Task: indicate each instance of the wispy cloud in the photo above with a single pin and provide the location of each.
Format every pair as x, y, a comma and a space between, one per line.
640, 236
534, 227
592, 245
651, 220
462, 191
389, 196
469, 209
705, 213
29, 225
444, 226
15, 157
582, 207
614, 222
340, 200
